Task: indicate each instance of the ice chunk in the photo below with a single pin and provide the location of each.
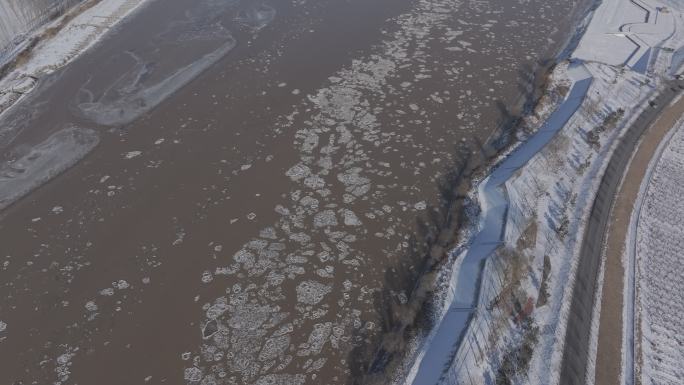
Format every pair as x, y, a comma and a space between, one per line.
312, 292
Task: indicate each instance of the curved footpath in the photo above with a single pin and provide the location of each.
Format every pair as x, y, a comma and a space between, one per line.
578, 333
439, 351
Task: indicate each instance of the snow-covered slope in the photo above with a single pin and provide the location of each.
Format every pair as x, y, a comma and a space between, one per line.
556, 190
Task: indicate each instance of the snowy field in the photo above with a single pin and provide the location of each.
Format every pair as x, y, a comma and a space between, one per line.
659, 262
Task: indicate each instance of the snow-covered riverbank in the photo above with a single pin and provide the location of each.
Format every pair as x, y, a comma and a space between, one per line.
55, 51
518, 329
655, 248
494, 201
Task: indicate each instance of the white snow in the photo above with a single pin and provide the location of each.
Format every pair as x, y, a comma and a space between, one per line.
556, 188
19, 17
80, 34
658, 260
626, 31
628, 261
77, 36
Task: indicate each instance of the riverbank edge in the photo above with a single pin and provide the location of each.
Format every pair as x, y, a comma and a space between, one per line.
17, 79
26, 42
501, 143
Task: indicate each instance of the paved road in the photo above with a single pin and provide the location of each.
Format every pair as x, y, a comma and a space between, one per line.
575, 355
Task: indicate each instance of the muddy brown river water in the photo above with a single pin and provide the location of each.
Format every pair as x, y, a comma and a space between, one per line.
253, 183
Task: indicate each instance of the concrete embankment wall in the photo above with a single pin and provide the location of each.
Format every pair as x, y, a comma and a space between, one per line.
19, 17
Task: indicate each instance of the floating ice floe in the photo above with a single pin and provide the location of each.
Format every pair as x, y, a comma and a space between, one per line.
107, 291
91, 306
130, 97
192, 374
326, 218
132, 154
312, 292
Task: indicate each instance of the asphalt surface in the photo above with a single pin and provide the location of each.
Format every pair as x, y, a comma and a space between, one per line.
575, 354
